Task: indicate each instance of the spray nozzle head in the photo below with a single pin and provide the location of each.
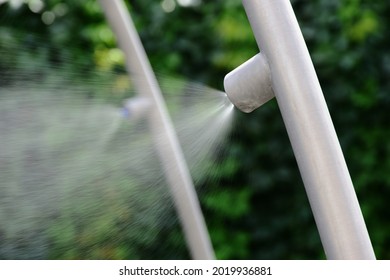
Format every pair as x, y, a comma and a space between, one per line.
249, 85
125, 112
135, 107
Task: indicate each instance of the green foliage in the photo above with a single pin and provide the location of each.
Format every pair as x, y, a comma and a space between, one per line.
254, 200
233, 204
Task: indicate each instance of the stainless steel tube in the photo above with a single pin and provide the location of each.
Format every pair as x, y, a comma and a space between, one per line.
313, 138
166, 141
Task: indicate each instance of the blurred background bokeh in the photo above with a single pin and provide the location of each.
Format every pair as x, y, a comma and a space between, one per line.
253, 199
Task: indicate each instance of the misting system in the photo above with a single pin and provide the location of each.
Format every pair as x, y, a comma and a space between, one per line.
283, 70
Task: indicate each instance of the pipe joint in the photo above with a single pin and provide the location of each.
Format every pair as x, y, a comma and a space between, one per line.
136, 107
249, 85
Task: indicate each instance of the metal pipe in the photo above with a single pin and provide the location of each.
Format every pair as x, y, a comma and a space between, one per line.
166, 140
313, 138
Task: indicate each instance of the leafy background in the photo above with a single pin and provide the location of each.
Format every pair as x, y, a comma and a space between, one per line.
253, 200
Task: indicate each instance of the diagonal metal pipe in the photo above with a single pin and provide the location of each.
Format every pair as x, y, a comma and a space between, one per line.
161, 127
316, 147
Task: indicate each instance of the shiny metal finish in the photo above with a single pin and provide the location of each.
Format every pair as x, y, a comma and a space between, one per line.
316, 147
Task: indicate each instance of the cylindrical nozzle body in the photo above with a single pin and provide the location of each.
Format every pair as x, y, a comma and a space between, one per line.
249, 85
136, 107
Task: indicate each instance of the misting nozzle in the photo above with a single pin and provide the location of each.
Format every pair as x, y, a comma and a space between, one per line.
249, 85
135, 107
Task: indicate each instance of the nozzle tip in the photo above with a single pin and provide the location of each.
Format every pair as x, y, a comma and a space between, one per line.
125, 112
249, 85
135, 107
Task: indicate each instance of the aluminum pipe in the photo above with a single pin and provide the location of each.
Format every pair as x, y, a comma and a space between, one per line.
316, 147
166, 141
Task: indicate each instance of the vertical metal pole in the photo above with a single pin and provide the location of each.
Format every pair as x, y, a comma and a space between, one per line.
317, 150
166, 141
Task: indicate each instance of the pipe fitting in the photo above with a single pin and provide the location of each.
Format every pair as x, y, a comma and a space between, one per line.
249, 85
136, 107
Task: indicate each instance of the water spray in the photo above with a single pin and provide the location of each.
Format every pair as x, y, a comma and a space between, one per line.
284, 69
165, 138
